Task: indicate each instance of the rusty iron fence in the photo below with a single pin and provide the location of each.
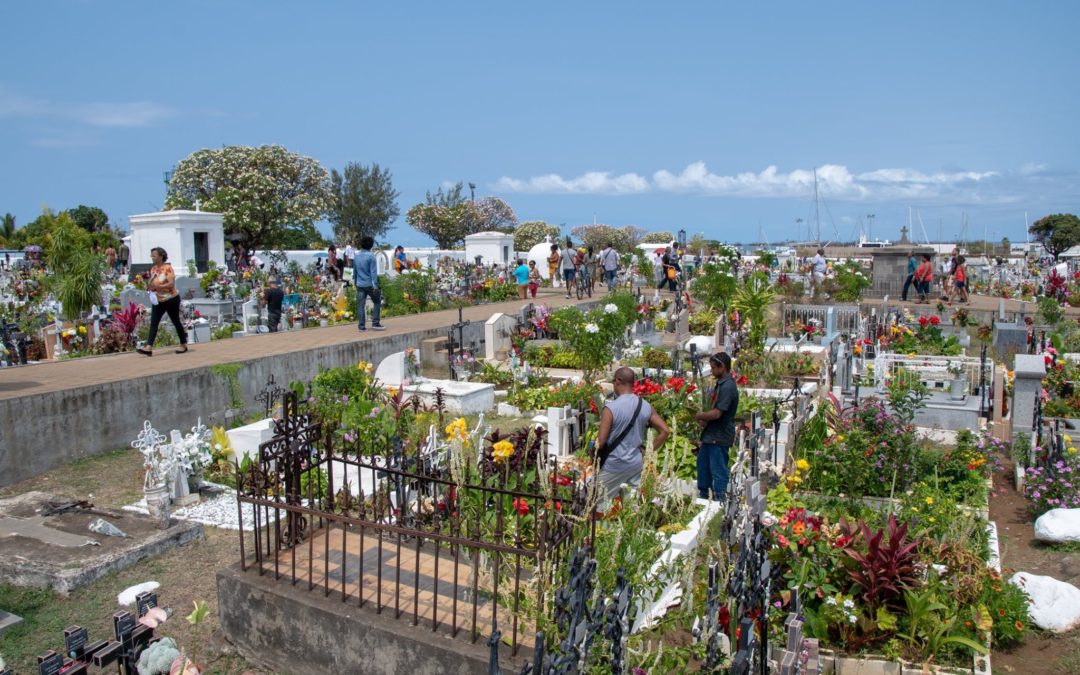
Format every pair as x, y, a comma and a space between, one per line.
405, 530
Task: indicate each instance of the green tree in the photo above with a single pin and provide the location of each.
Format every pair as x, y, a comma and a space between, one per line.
533, 232
90, 218
365, 202
1057, 233
7, 229
303, 238
452, 196
663, 237
263, 191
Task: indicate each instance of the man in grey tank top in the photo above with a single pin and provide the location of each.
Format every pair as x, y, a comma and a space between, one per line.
619, 423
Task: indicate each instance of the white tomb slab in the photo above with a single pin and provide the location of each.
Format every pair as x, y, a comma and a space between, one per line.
245, 440
460, 397
358, 477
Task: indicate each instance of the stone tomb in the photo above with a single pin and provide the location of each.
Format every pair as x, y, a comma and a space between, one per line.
460, 397
61, 552
497, 332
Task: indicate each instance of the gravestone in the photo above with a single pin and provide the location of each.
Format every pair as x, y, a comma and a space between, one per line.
391, 371
7, 620
252, 318
133, 296
1027, 386
1010, 337
245, 440
497, 332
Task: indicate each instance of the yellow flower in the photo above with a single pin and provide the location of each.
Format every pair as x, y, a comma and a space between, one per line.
802, 465
457, 430
1068, 441
911, 355
929, 501
502, 450
392, 392
840, 437
82, 330
1071, 450
932, 519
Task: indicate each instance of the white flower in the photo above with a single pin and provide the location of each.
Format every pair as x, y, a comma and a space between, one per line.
592, 328
849, 604
831, 601
768, 519
611, 308
851, 618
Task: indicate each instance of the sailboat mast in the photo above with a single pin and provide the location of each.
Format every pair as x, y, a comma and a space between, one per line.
817, 209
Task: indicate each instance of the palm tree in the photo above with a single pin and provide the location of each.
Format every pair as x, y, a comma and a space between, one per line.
7, 227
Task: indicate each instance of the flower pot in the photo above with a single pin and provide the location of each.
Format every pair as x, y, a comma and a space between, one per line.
958, 388
157, 505
324, 323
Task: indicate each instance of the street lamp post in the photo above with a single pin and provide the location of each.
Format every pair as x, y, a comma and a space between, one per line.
682, 239
472, 192
870, 227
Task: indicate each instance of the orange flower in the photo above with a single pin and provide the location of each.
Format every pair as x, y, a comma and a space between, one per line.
1001, 612
1019, 625
798, 528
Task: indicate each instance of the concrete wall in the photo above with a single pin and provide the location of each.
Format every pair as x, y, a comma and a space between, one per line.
291, 630
41, 432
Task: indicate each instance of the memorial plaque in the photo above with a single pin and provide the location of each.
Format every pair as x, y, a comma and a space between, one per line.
50, 663
145, 602
110, 653
75, 639
123, 625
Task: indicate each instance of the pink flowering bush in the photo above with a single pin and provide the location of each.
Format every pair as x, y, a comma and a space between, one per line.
1056, 486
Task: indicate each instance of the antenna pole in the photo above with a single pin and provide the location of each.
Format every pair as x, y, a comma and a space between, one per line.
817, 209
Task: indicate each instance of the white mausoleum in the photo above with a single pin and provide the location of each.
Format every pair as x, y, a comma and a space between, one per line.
185, 235
491, 247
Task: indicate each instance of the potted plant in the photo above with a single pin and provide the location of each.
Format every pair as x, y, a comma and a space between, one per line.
957, 380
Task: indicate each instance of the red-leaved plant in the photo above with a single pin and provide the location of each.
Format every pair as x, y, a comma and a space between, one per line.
127, 319
887, 566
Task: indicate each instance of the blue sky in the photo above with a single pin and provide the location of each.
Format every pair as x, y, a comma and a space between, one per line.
707, 116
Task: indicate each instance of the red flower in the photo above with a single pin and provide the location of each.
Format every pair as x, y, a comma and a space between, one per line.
691, 389
923, 320
562, 480
676, 383
592, 407
782, 540
742, 380
521, 506
935, 320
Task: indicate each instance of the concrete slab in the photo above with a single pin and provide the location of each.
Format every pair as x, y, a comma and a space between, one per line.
7, 620
45, 555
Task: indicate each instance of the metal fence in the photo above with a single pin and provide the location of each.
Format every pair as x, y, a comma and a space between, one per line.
402, 530
847, 319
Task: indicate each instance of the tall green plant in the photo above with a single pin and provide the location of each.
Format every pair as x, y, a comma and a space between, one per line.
752, 301
79, 287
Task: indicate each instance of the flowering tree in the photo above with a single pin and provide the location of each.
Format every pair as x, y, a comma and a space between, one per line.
449, 223
598, 236
262, 191
533, 232
663, 237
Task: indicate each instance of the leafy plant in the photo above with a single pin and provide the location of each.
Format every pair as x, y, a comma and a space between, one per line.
887, 567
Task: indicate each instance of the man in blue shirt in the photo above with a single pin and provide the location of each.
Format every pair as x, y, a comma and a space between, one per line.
911, 267
718, 433
366, 280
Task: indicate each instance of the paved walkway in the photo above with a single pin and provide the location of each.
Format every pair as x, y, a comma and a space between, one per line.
60, 375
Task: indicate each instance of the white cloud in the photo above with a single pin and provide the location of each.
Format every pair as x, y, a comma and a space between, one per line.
136, 114
97, 114
593, 182
834, 181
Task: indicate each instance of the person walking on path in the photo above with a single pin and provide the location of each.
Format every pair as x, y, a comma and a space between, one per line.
667, 271
912, 265
718, 433
818, 266
110, 258
621, 438
609, 261
553, 265
163, 300
521, 277
273, 296
366, 280
960, 280
534, 278
924, 274
567, 264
